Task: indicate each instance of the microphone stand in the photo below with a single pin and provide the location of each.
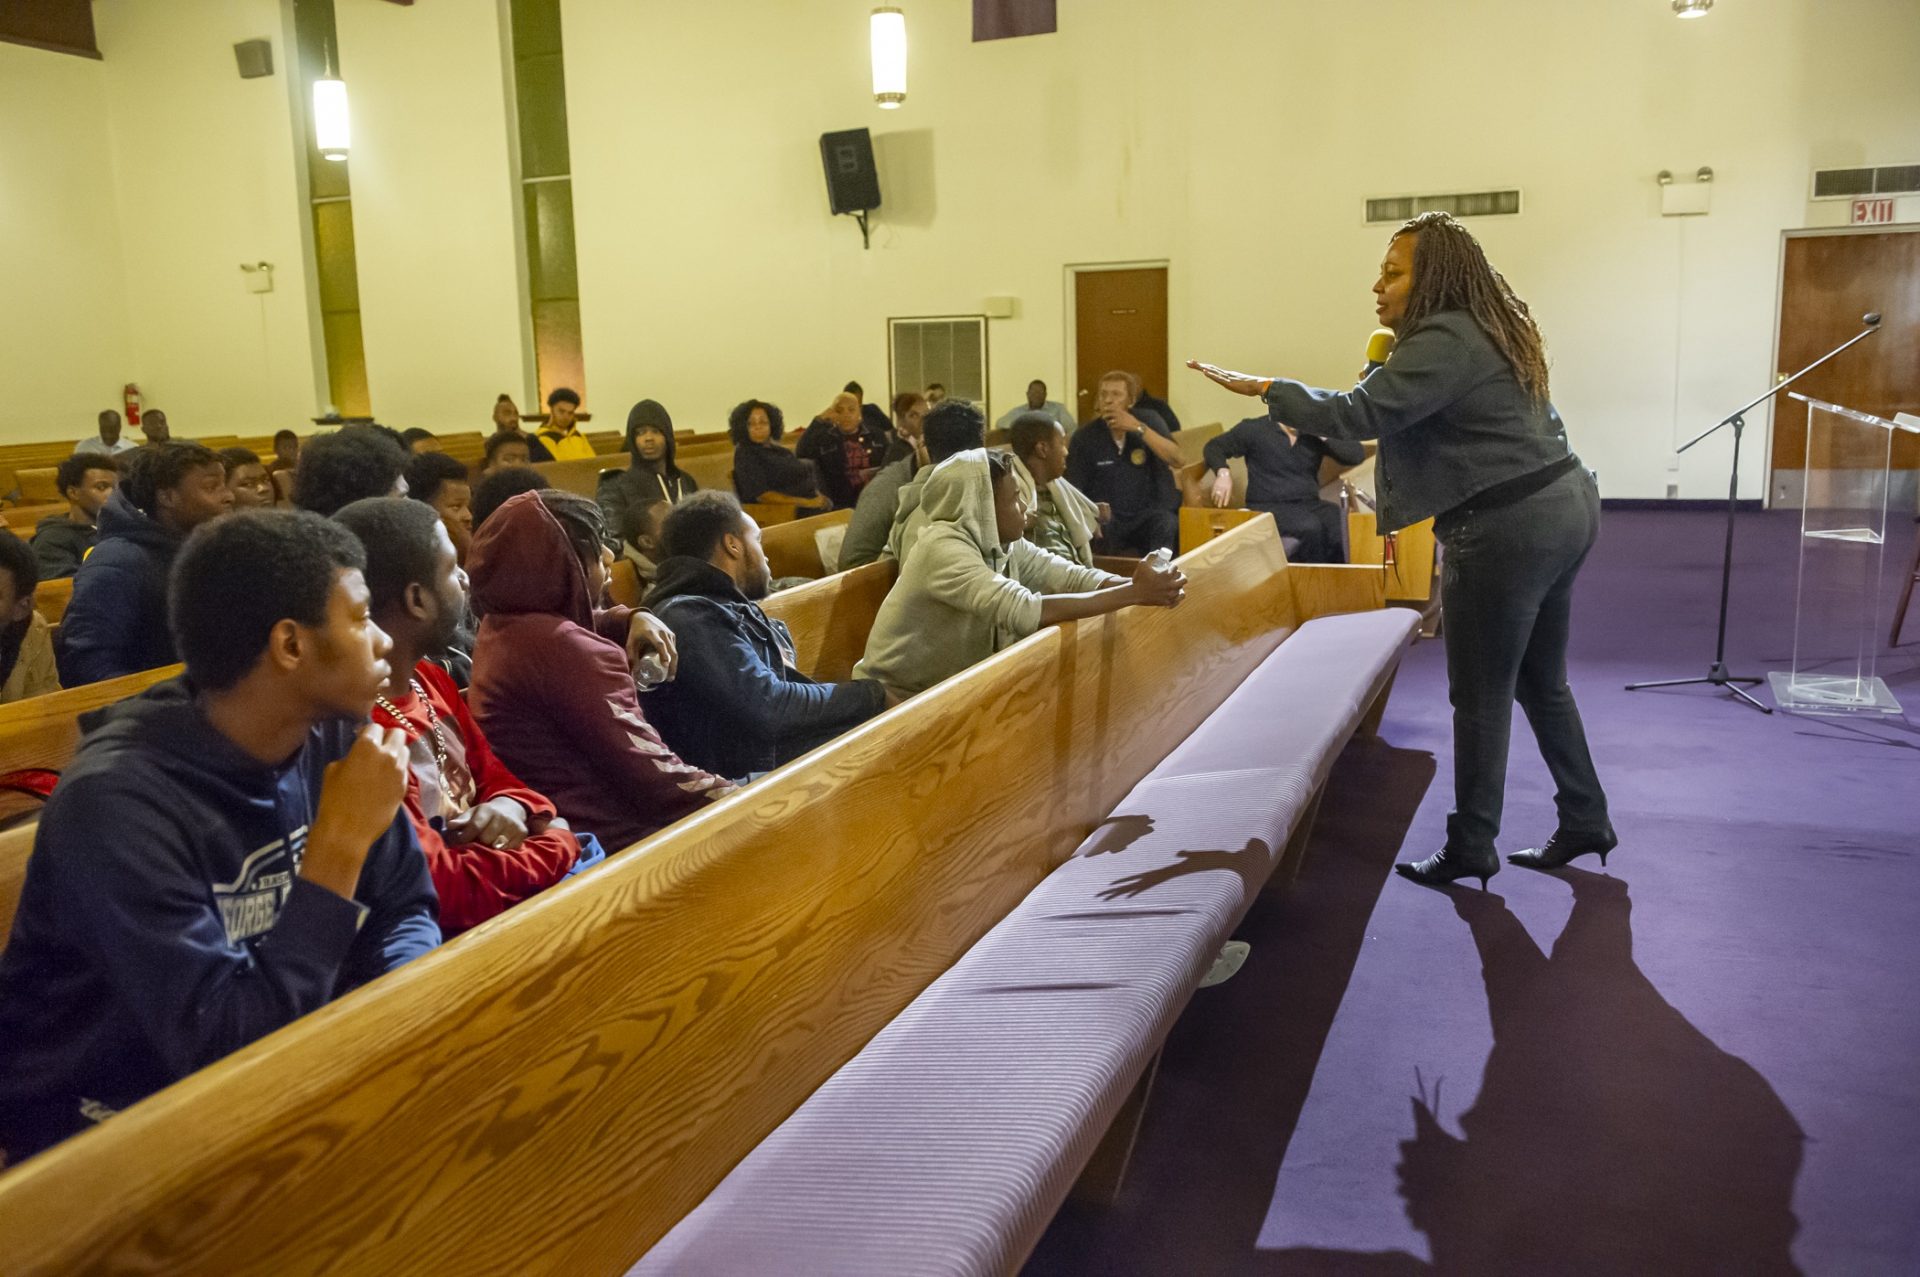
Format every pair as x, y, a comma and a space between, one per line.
1717, 675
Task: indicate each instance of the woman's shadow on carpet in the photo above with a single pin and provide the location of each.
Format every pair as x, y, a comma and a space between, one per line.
1609, 1134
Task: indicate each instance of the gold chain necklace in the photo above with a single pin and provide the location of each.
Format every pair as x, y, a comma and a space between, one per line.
433, 722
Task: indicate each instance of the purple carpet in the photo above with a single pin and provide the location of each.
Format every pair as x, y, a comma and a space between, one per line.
1703, 1059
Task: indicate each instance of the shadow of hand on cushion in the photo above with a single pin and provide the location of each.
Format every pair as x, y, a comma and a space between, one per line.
1253, 862
1117, 833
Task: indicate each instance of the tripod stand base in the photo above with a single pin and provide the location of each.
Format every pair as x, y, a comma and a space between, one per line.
1716, 676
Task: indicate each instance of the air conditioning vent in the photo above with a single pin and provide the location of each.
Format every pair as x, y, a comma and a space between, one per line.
1398, 208
1852, 183
948, 349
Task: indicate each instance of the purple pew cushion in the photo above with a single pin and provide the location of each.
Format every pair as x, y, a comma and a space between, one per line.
948, 1142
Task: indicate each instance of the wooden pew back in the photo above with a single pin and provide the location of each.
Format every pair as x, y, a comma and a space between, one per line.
557, 1087
50, 598
44, 731
792, 549
830, 618
582, 476
711, 469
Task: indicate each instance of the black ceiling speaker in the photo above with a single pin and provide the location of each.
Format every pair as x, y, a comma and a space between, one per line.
853, 184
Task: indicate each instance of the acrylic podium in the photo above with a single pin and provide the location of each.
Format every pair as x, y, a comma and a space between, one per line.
1843, 525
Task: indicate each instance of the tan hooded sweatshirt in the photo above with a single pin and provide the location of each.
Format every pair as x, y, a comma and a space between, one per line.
960, 596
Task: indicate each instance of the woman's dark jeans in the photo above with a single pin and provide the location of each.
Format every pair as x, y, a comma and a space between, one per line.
1508, 591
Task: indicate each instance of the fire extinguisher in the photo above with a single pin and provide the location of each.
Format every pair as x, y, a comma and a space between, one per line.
133, 404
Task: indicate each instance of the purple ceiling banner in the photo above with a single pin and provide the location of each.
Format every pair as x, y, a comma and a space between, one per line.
1003, 19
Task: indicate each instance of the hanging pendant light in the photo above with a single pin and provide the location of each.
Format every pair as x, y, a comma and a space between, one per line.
1692, 8
331, 133
888, 30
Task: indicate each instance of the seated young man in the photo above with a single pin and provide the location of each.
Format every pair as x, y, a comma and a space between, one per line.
441, 482
116, 622
61, 541
490, 841
1283, 479
553, 673
500, 487
972, 584
226, 852
348, 465
246, 479
640, 532
737, 707
844, 449
507, 450
26, 640
1063, 519
951, 427
560, 438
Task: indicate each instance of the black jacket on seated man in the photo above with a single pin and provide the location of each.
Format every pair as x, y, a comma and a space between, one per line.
1283, 479
117, 621
738, 707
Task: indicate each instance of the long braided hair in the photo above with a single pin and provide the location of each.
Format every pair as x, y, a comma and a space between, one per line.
1451, 272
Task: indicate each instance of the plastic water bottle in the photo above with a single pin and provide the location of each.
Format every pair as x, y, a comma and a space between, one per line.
1160, 559
650, 672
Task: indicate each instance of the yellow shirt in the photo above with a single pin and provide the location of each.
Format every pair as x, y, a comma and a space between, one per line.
571, 446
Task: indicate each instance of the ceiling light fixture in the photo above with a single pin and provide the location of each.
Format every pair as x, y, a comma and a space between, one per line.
888, 31
1692, 8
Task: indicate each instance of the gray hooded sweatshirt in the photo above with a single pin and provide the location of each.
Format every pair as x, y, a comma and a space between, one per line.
960, 597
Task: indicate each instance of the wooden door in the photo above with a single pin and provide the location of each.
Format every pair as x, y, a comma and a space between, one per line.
1827, 283
1120, 322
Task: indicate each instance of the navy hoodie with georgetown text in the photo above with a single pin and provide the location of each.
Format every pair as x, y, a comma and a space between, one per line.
163, 923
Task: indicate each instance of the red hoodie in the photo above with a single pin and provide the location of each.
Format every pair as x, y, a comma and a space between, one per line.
552, 690
474, 882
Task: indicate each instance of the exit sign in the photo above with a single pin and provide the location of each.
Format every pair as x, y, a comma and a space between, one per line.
1873, 212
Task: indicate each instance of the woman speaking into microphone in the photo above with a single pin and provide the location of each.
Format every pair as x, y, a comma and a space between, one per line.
1469, 439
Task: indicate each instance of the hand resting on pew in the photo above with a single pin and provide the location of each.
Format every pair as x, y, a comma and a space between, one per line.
1153, 585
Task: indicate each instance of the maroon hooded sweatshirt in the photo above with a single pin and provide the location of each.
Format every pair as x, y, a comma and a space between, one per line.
552, 690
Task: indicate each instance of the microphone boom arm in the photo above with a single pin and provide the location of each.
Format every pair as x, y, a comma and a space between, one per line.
1873, 326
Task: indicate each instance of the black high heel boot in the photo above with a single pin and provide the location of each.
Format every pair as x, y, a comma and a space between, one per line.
1564, 851
1447, 865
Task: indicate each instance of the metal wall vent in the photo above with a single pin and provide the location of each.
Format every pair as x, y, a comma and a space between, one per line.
1398, 208
1853, 183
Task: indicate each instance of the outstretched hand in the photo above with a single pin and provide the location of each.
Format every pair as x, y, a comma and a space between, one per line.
1239, 383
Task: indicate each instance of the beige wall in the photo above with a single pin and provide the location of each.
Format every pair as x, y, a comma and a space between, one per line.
63, 318
205, 179
1235, 139
433, 212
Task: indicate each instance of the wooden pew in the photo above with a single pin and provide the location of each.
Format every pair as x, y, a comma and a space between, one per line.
1201, 524
469, 446
44, 731
830, 618
791, 547
711, 469
23, 519
50, 598
556, 1087
582, 476
1410, 575
39, 484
